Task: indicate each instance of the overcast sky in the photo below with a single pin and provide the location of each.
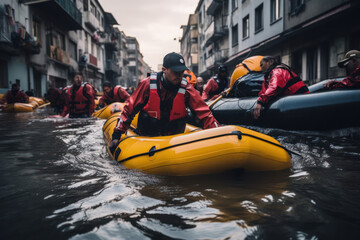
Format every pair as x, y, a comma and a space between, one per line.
155, 24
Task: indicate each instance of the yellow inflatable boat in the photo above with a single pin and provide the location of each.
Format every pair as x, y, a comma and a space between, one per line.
18, 107
109, 110
197, 152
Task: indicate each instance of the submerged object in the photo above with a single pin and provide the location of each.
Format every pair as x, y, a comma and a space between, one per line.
198, 151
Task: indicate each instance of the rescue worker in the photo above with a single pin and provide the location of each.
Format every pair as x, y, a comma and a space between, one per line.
199, 86
14, 96
279, 80
112, 94
79, 99
161, 100
216, 85
352, 64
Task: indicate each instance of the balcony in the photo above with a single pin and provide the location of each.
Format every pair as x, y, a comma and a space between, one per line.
92, 60
221, 56
212, 6
210, 61
214, 33
112, 67
63, 11
111, 41
91, 21
59, 55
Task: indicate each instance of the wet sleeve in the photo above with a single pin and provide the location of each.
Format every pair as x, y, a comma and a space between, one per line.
123, 94
276, 84
210, 87
200, 108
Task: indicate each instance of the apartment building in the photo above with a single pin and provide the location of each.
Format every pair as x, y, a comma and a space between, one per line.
308, 35
189, 43
43, 41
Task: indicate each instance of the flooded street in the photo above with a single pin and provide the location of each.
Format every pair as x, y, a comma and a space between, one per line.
58, 182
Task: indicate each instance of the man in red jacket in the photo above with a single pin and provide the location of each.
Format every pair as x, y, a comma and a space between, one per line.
161, 100
14, 96
113, 94
216, 85
279, 80
352, 64
79, 99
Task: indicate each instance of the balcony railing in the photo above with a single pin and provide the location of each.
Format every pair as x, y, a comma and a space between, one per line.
221, 56
210, 61
92, 60
111, 40
212, 6
91, 21
112, 66
61, 10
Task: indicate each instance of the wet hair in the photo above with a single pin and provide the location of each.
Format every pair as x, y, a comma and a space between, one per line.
14, 85
276, 60
107, 84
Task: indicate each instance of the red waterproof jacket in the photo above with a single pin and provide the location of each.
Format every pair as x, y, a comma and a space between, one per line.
352, 81
213, 87
80, 101
139, 99
19, 97
281, 81
119, 95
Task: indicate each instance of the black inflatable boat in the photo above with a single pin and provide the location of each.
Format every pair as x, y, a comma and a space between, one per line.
318, 110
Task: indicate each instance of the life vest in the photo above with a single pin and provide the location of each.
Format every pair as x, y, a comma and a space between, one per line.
79, 100
221, 86
163, 117
295, 85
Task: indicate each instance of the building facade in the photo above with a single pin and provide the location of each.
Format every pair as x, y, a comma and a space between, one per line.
42, 42
308, 35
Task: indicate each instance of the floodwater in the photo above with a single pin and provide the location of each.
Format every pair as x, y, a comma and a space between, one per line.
58, 182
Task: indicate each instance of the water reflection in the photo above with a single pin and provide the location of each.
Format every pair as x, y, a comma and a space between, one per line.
57, 181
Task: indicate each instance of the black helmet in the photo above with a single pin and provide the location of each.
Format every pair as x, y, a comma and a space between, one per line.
222, 68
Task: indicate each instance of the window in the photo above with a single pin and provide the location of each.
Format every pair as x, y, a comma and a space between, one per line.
86, 5
234, 4
296, 6
72, 50
246, 27
235, 35
4, 74
259, 22
36, 31
274, 10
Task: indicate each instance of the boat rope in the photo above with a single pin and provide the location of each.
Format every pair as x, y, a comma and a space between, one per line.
153, 149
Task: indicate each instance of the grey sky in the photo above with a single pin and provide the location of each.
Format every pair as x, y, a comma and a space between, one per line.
155, 24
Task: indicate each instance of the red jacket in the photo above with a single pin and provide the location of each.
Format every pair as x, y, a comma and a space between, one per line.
140, 97
79, 102
281, 81
119, 95
19, 97
213, 87
352, 81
